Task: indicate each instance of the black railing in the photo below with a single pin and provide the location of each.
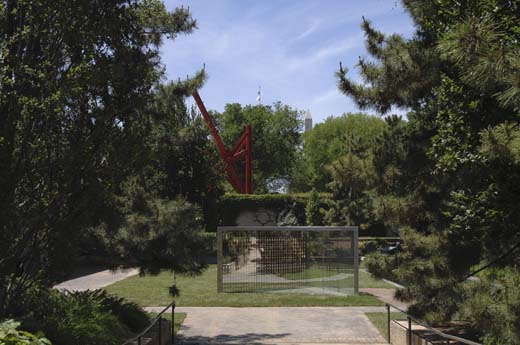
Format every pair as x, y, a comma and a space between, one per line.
157, 320
409, 332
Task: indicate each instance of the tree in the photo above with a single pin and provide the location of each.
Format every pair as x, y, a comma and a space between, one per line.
182, 160
313, 211
330, 140
158, 233
458, 78
74, 89
275, 138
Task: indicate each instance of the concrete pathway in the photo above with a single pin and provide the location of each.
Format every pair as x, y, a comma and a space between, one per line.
278, 325
96, 280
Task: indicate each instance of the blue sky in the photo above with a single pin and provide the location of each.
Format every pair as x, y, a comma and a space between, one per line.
290, 48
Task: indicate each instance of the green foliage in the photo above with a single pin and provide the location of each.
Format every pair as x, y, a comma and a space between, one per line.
275, 138
451, 171
77, 318
10, 335
352, 176
496, 297
182, 160
129, 314
160, 233
74, 119
330, 140
338, 156
313, 210
290, 206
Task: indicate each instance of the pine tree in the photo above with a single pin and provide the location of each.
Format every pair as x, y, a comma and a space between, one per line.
458, 77
75, 87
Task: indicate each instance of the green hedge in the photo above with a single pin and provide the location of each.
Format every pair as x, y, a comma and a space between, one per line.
231, 205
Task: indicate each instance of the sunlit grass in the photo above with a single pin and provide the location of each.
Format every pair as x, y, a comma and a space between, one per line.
202, 291
380, 320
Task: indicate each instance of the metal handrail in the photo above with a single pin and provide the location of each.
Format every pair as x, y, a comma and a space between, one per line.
425, 325
152, 323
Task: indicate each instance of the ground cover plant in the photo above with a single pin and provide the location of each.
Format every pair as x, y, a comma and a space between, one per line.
202, 291
81, 318
11, 335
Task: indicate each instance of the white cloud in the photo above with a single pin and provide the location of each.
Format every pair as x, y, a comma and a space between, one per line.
291, 49
327, 51
328, 96
312, 28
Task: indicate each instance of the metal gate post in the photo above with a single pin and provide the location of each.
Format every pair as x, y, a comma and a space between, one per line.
219, 260
356, 261
173, 324
388, 322
160, 330
409, 330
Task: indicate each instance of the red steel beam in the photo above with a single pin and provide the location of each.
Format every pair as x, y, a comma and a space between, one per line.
248, 185
242, 148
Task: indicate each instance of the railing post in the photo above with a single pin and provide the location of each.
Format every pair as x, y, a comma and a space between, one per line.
409, 330
139, 341
173, 324
356, 261
220, 260
160, 330
388, 323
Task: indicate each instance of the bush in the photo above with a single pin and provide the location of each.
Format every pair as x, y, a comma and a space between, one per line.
492, 306
313, 210
10, 335
161, 234
84, 318
129, 313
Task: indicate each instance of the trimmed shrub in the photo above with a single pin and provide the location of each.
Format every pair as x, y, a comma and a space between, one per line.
290, 207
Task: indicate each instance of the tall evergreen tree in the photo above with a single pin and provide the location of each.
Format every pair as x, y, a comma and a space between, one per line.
458, 77
75, 85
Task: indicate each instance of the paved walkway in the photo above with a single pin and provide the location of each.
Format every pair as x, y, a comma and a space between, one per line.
279, 325
96, 280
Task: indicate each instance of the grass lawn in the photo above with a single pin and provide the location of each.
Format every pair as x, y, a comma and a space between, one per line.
177, 320
380, 320
201, 291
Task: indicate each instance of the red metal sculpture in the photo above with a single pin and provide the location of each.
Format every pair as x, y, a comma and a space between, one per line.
241, 149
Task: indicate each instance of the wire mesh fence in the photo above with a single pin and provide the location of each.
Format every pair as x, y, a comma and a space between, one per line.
312, 260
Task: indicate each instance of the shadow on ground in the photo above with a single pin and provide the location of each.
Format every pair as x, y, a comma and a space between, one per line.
247, 338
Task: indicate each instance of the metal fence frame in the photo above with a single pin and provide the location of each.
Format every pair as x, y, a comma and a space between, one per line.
222, 229
409, 331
